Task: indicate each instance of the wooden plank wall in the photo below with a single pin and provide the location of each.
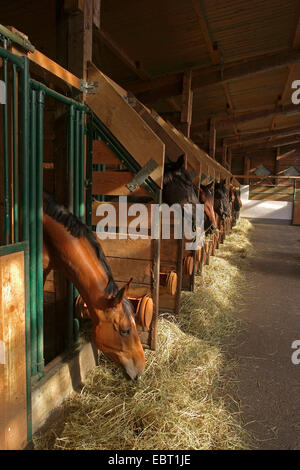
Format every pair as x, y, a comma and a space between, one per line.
13, 422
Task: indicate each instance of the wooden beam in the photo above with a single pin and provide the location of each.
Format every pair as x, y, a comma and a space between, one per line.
97, 13
80, 36
166, 86
224, 155
212, 139
224, 123
266, 177
119, 52
247, 166
235, 141
187, 103
213, 52
229, 159
273, 144
135, 66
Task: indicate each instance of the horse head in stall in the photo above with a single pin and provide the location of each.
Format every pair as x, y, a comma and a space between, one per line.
71, 247
237, 204
206, 197
178, 186
221, 202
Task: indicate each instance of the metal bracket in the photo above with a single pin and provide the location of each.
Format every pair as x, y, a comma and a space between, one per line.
131, 100
142, 175
88, 87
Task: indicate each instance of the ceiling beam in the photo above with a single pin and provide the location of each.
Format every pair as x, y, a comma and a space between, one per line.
241, 118
279, 142
248, 138
171, 85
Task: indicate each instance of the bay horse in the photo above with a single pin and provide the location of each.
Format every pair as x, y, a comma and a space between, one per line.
71, 247
178, 187
236, 205
206, 197
221, 202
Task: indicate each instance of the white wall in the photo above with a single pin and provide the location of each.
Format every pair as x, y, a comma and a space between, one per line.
264, 209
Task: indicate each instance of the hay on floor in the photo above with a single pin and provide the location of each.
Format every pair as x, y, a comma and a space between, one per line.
182, 400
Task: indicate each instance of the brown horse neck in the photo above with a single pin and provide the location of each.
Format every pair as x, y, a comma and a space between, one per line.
77, 259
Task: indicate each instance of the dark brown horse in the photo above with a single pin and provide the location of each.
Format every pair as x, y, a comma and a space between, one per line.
236, 205
70, 246
206, 197
179, 188
221, 202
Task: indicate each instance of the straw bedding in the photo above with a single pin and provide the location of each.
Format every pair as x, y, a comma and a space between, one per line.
183, 400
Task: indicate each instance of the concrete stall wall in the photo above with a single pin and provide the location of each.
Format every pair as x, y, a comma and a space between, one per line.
260, 209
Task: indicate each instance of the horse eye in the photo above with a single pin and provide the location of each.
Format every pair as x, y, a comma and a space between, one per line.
125, 332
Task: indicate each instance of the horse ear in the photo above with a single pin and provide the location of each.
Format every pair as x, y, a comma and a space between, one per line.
180, 161
121, 294
210, 185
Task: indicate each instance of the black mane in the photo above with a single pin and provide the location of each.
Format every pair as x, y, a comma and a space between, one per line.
79, 230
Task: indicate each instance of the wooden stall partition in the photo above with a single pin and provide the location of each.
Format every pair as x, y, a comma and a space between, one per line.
296, 213
125, 124
13, 393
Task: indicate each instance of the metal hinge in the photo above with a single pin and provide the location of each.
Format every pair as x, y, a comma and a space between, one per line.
142, 175
88, 87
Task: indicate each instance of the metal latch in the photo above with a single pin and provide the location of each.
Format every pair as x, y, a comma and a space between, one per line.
142, 175
88, 87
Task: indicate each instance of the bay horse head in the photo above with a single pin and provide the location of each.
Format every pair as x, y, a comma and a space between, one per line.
115, 331
71, 247
206, 197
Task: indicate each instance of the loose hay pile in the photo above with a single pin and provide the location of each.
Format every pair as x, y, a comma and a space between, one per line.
181, 401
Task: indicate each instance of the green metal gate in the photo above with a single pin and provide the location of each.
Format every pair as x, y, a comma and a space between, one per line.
22, 195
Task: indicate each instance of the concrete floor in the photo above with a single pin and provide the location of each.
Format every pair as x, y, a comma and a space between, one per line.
269, 383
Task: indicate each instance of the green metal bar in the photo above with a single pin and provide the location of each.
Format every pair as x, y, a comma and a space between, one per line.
70, 288
16, 38
5, 159
76, 162
81, 167
14, 59
24, 177
25, 151
32, 230
71, 126
89, 174
15, 248
57, 96
28, 343
39, 230
15, 158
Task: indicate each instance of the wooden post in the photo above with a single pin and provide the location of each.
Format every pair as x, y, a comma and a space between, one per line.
247, 168
277, 156
212, 139
187, 104
224, 154
80, 36
229, 158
